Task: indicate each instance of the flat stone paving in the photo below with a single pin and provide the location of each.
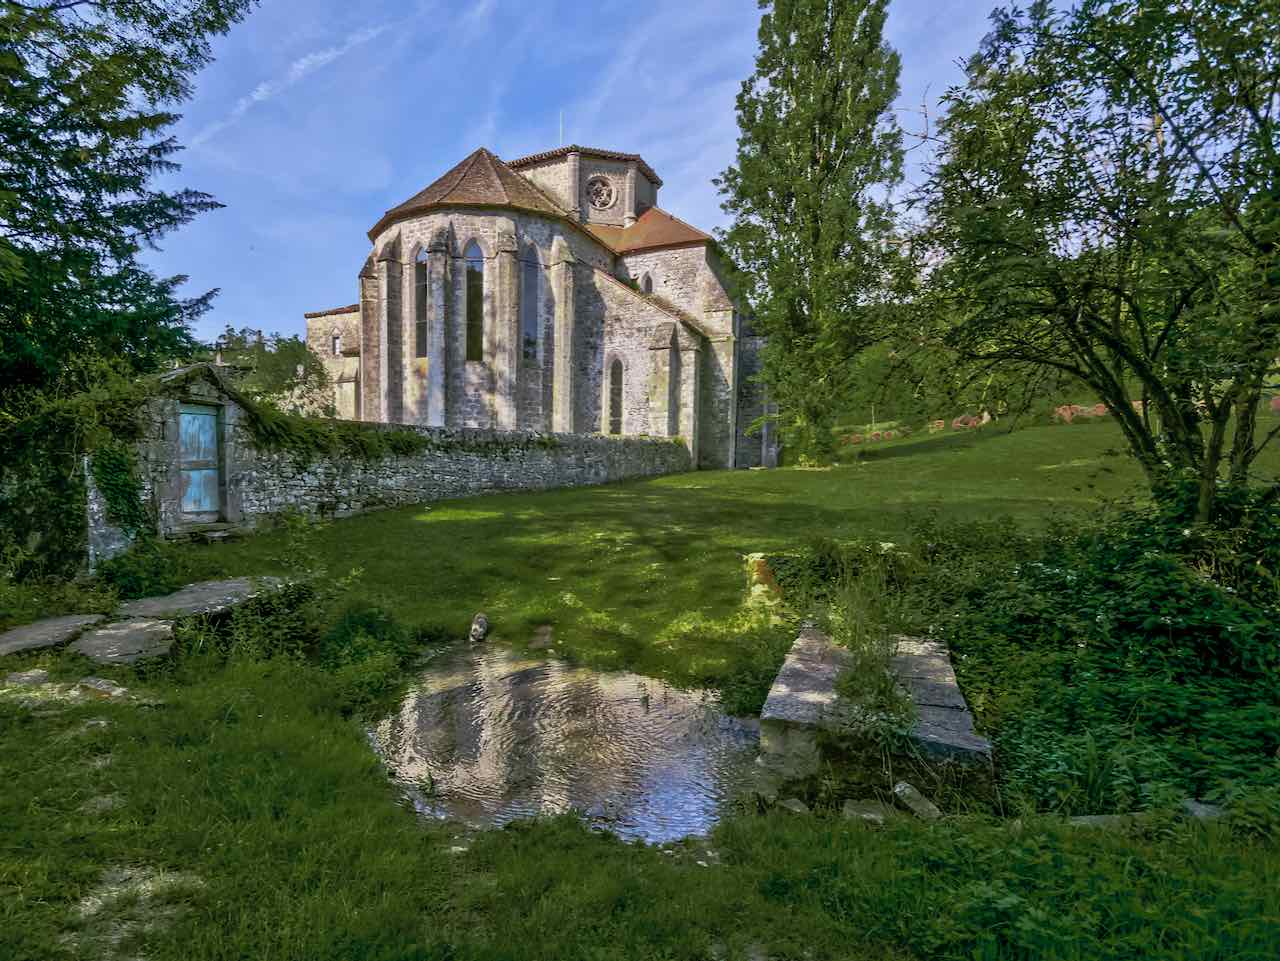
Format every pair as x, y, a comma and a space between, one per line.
138, 629
944, 726
207, 597
51, 632
127, 641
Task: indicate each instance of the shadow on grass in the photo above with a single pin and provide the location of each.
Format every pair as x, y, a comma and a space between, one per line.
933, 445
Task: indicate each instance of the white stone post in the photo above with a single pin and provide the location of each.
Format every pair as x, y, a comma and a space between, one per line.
562, 286
506, 326
629, 200
437, 317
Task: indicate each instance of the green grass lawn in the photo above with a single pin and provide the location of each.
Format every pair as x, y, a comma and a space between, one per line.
287, 841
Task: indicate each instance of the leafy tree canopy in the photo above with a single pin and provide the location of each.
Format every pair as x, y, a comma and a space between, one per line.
274, 368
1106, 207
87, 93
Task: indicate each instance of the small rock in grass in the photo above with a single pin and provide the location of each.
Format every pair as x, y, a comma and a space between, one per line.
29, 678
1103, 822
102, 804
869, 812
543, 637
1201, 811
794, 805
479, 628
915, 802
101, 687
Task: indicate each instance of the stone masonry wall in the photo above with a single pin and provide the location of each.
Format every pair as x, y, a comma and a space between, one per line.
461, 462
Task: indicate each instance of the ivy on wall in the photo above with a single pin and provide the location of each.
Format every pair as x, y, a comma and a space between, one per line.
115, 472
42, 483
307, 439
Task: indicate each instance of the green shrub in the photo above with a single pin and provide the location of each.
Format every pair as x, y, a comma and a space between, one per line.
147, 569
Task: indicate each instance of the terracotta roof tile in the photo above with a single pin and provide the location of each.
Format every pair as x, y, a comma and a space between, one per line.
537, 158
482, 180
654, 228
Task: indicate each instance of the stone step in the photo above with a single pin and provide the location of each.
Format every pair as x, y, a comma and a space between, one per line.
206, 597
51, 632
126, 642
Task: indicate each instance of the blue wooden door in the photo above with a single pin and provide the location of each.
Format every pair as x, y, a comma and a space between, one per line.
198, 461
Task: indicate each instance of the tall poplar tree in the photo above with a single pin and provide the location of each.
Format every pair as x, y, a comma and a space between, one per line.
819, 154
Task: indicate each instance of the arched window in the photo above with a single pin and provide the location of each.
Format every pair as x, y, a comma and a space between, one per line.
337, 343
475, 301
615, 397
646, 284
421, 291
530, 282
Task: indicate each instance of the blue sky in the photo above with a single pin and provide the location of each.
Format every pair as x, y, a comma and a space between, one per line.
318, 115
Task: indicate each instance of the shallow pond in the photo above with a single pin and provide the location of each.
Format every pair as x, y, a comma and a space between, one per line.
487, 736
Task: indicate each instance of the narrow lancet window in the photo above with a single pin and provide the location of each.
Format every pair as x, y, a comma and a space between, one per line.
337, 344
421, 291
615, 397
475, 301
530, 282
646, 284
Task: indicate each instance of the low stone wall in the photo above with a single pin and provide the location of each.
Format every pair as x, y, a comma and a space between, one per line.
459, 462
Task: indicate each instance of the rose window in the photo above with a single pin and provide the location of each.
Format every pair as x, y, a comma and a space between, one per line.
601, 193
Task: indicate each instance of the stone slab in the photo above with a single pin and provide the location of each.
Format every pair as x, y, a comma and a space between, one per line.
51, 632
125, 642
944, 726
28, 678
206, 597
804, 692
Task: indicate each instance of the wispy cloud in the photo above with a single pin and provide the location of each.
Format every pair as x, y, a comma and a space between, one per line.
299, 70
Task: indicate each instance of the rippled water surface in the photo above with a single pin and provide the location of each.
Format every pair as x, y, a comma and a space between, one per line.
487, 736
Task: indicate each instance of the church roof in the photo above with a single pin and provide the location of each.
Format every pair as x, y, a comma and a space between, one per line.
482, 180
332, 311
537, 158
654, 228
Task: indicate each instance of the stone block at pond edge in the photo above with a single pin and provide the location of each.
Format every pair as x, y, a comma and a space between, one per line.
800, 703
51, 632
919, 805
101, 687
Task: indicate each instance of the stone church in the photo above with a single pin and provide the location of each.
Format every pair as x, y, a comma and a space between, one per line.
549, 293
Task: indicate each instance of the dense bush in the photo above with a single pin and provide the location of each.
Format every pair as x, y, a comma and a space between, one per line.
1122, 664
